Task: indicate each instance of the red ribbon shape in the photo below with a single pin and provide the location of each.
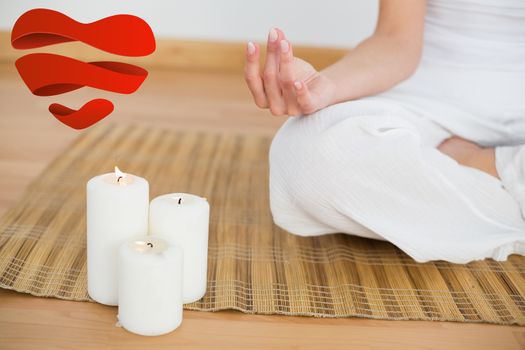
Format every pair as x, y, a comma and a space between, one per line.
47, 74
50, 74
90, 113
124, 35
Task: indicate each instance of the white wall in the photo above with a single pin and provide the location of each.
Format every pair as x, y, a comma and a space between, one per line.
340, 23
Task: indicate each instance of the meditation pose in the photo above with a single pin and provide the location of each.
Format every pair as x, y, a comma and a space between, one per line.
415, 136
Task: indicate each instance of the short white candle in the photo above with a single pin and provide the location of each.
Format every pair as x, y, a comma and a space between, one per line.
183, 219
150, 286
117, 210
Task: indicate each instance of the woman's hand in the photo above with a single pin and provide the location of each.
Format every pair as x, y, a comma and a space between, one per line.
287, 85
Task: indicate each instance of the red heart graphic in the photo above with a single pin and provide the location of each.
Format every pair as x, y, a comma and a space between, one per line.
48, 74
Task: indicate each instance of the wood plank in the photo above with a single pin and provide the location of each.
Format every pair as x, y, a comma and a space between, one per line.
27, 322
30, 138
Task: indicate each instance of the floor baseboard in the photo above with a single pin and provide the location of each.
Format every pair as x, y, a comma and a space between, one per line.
175, 54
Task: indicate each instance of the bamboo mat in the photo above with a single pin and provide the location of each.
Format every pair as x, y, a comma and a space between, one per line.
254, 266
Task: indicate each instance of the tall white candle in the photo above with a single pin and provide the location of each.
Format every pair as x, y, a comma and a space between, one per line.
183, 219
150, 286
117, 210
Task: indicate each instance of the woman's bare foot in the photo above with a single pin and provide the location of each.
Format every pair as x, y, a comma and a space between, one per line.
470, 154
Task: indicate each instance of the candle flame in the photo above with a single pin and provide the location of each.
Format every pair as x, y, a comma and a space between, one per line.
119, 174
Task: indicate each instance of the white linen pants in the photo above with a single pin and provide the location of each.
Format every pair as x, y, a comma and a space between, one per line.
371, 168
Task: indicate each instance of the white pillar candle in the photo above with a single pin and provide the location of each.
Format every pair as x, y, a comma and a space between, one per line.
183, 219
117, 210
150, 286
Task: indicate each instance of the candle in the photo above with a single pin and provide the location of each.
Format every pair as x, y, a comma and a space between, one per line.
117, 210
183, 219
149, 286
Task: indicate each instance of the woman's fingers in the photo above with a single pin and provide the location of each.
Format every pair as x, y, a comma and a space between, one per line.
304, 97
287, 77
277, 89
270, 74
252, 75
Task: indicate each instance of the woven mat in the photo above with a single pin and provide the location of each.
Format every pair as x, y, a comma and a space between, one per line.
254, 266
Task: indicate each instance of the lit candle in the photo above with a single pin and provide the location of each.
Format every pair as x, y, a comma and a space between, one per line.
117, 210
150, 286
183, 220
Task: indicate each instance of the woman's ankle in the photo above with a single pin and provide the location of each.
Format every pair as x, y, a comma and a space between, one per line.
470, 154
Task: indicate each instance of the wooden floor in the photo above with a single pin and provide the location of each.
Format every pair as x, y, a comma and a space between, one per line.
30, 137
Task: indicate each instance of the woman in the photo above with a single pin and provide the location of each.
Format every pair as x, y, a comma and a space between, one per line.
413, 137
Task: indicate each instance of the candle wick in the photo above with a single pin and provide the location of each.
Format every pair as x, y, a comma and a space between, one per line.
118, 179
180, 199
150, 244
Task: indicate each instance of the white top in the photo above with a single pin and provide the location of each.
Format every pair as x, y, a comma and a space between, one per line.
471, 78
